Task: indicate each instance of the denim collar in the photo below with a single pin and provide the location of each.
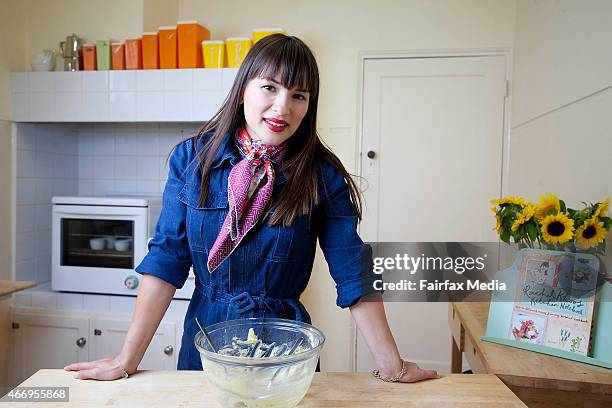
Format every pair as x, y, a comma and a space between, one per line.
228, 152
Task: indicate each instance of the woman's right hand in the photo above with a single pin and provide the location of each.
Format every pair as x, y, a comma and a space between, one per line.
106, 369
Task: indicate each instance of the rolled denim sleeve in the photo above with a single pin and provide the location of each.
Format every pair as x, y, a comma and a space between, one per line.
348, 257
169, 257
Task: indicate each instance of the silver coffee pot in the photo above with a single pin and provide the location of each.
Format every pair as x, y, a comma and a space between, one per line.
72, 52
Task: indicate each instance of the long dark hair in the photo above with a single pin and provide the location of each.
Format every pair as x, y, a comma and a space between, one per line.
287, 58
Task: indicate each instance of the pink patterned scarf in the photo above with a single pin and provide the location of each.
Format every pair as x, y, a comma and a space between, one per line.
247, 192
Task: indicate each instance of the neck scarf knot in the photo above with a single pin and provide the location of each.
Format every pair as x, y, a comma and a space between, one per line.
249, 189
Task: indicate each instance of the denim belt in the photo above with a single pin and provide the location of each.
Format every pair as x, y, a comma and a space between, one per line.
244, 301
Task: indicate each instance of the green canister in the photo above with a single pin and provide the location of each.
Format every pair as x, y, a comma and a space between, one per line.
103, 54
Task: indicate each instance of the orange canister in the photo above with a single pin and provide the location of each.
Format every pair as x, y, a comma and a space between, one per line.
118, 56
150, 54
133, 53
89, 57
190, 37
168, 47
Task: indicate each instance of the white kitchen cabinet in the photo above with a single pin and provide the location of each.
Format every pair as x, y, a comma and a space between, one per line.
48, 340
6, 341
54, 339
107, 336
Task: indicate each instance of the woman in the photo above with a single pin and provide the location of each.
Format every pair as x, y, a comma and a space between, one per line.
245, 202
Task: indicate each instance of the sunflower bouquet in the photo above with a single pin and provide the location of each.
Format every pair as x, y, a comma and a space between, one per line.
551, 225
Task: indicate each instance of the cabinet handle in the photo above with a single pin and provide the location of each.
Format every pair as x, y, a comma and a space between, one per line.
97, 332
168, 350
81, 342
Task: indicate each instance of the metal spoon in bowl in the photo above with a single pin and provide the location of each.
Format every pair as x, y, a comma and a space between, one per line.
294, 346
269, 350
205, 333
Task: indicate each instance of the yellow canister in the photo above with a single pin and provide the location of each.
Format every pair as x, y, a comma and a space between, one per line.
260, 33
214, 53
237, 48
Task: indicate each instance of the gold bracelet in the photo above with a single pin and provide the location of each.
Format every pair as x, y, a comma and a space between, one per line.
396, 378
125, 373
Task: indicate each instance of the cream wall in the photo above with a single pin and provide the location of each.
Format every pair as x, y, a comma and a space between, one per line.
12, 38
159, 13
561, 137
337, 31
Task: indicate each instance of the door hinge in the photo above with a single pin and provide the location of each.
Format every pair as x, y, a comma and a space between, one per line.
97, 332
15, 325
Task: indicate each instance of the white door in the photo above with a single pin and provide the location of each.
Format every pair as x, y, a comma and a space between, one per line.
108, 336
48, 341
435, 127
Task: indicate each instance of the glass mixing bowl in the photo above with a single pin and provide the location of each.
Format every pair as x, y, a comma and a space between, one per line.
275, 381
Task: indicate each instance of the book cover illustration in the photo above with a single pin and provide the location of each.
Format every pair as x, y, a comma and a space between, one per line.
555, 300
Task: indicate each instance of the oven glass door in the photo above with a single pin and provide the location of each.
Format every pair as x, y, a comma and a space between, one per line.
102, 243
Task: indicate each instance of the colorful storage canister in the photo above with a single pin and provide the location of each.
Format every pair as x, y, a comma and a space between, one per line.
190, 37
237, 48
168, 47
103, 54
89, 57
150, 54
214, 54
133, 53
118, 56
260, 33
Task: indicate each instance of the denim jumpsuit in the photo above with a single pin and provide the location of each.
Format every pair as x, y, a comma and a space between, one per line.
269, 270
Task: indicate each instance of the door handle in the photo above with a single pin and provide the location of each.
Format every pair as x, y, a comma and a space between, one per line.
371, 154
81, 342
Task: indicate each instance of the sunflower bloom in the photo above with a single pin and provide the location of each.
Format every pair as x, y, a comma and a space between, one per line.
498, 225
602, 208
508, 200
549, 204
557, 228
524, 216
591, 233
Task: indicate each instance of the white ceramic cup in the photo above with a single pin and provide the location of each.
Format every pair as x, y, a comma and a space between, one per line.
123, 244
97, 244
110, 243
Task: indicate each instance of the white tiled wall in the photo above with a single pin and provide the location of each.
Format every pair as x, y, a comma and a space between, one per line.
127, 158
87, 160
47, 165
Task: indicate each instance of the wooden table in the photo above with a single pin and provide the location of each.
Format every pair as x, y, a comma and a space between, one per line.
355, 390
7, 288
537, 379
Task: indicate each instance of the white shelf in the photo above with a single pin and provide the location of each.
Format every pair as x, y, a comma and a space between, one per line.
168, 95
